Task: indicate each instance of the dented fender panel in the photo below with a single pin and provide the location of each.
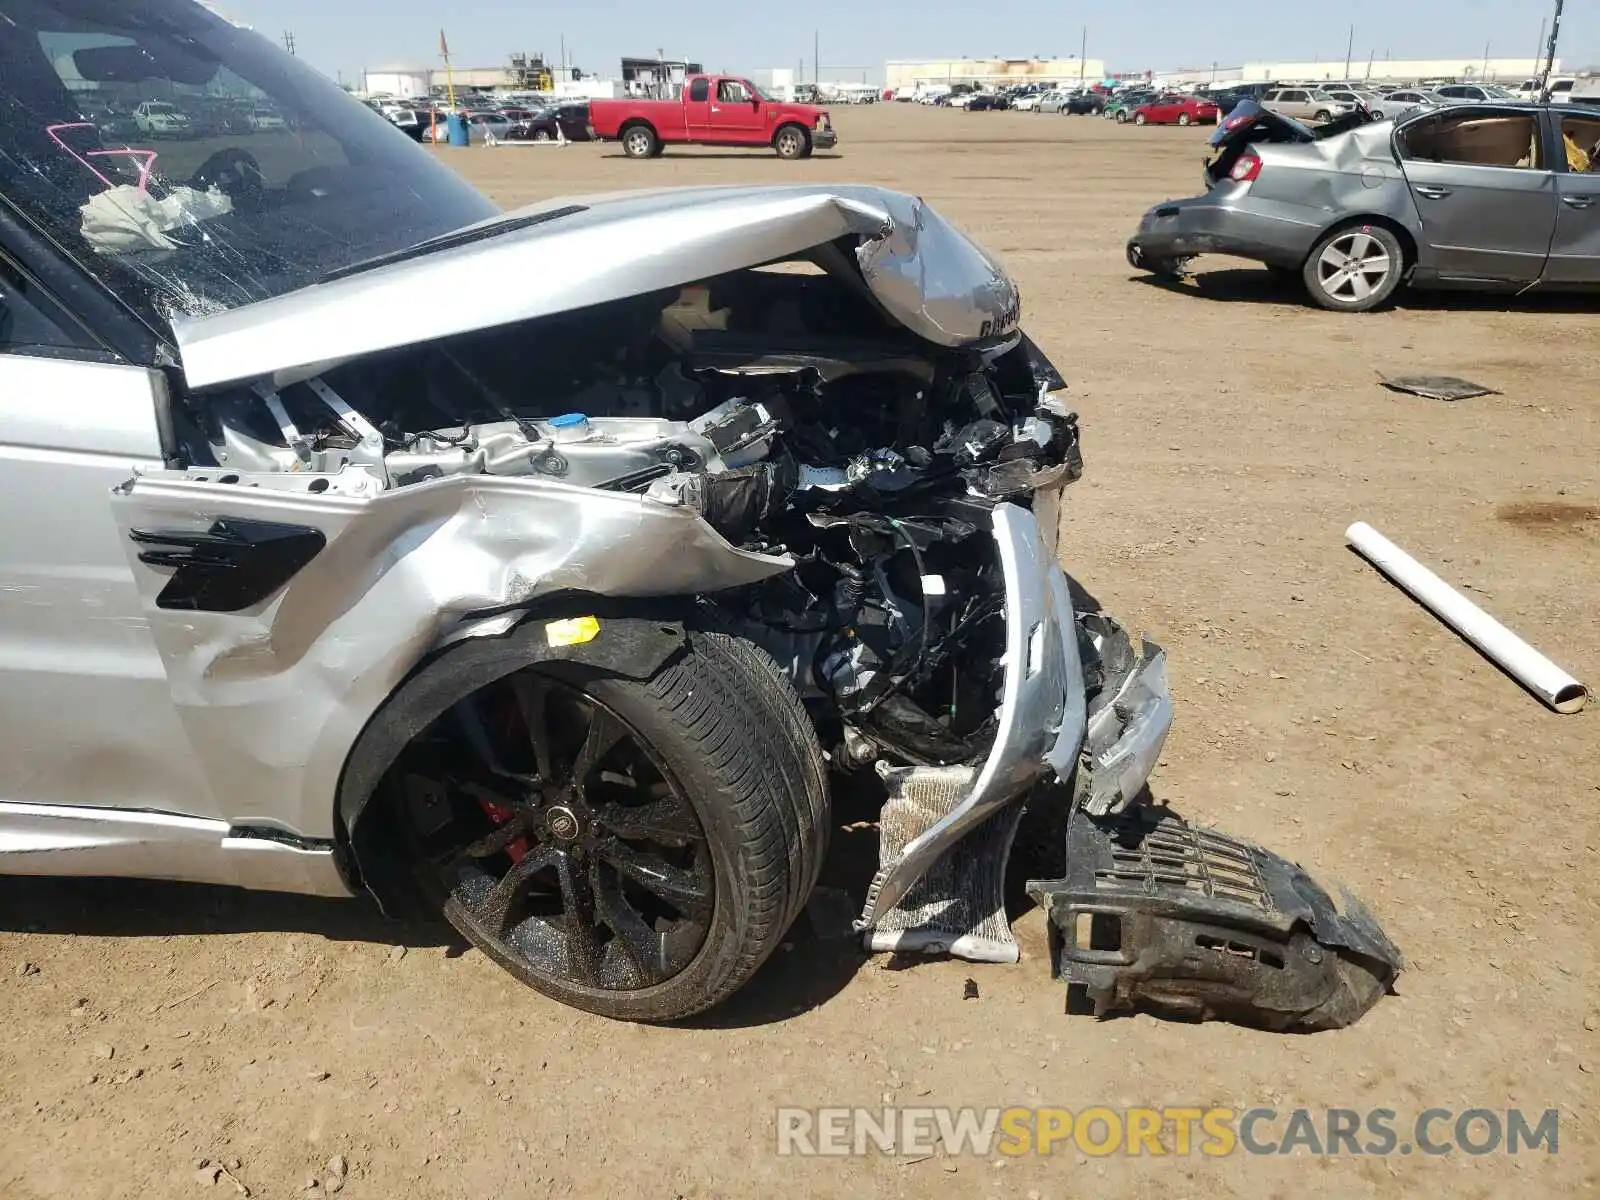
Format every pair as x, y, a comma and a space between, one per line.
273, 697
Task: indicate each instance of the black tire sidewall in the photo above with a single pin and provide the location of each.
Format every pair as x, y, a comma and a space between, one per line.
698, 985
628, 137
791, 131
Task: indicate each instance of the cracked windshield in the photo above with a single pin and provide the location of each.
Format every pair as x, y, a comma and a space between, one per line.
200, 169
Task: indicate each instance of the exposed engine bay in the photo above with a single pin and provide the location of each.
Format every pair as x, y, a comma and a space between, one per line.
776, 447
781, 406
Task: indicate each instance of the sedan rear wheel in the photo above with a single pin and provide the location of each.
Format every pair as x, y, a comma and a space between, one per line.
1140, 119
1355, 269
1183, 118
541, 135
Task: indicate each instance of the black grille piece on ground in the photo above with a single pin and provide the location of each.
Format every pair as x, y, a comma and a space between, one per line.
1156, 914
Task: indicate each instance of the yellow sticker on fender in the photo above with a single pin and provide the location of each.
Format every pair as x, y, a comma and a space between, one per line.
574, 631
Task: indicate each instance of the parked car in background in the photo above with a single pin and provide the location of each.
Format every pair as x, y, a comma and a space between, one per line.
988, 102
1305, 104
1358, 99
481, 127
263, 120
1028, 101
1120, 107
1176, 110
1087, 104
1053, 102
1473, 91
569, 121
1478, 195
158, 119
717, 110
1404, 101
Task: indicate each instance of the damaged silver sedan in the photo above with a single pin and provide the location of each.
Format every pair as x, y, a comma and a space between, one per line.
558, 617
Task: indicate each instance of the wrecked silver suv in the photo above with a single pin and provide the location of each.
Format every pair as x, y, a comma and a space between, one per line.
536, 568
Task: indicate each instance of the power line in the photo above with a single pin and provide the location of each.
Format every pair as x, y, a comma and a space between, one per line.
288, 41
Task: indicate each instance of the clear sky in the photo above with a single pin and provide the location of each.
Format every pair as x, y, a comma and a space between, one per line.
857, 35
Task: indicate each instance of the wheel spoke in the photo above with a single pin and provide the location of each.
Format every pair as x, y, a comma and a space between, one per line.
475, 732
682, 889
640, 945
1332, 258
669, 821
584, 952
533, 697
605, 731
1359, 244
495, 908
498, 839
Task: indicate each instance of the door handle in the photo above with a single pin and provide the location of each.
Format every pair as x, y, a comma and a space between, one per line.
1432, 191
1578, 201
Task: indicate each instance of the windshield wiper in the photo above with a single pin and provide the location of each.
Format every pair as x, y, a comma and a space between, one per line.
449, 241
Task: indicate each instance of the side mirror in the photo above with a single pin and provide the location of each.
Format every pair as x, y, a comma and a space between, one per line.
755, 102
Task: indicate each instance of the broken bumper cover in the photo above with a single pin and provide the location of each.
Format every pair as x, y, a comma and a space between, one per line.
946, 831
1222, 223
824, 139
1130, 721
1154, 912
1042, 720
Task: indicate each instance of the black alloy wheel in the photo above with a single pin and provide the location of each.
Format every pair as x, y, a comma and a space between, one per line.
565, 847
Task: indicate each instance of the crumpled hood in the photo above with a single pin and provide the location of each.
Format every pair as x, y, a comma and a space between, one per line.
594, 249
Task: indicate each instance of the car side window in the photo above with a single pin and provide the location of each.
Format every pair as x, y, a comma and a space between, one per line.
1580, 139
1270, 98
1294, 97
731, 91
1479, 139
31, 322
700, 91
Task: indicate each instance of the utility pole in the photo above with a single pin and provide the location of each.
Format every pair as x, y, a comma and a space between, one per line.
1550, 55
1538, 49
288, 41
816, 51
563, 54
1083, 57
1349, 48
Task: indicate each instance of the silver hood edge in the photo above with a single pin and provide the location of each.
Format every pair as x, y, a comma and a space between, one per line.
922, 271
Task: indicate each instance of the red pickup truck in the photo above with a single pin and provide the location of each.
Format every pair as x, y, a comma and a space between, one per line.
714, 110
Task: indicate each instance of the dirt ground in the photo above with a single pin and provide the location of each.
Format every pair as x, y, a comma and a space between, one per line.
1231, 434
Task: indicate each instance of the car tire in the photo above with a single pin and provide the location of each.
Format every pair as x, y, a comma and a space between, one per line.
640, 141
1140, 119
792, 143
1323, 117
1122, 118
648, 891
1183, 118
541, 135
1330, 273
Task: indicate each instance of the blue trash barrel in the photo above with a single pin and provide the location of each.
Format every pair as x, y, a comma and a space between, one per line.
456, 125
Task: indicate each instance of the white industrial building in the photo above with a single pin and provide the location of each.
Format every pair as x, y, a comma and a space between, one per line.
400, 80
908, 75
1508, 71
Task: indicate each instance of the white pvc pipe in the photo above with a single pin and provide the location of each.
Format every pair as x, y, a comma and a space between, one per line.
1526, 665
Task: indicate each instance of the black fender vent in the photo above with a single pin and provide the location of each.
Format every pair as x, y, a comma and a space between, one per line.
234, 565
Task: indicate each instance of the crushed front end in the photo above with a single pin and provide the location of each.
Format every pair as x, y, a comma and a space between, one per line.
806, 417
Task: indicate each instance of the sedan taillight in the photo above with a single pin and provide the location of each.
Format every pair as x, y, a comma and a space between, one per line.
1247, 169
